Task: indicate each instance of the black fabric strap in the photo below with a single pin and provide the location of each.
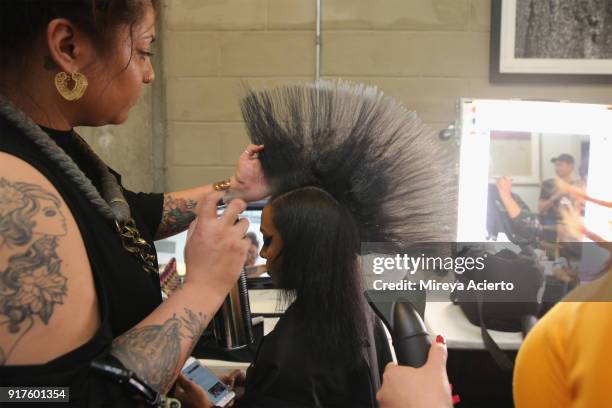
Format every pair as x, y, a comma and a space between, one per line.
503, 361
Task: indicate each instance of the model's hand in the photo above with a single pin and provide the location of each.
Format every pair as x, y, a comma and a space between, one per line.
190, 394
248, 182
236, 378
424, 387
216, 247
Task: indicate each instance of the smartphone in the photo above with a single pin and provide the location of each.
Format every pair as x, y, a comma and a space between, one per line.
218, 393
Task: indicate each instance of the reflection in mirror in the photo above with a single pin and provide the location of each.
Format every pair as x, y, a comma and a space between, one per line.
529, 176
254, 265
520, 162
515, 155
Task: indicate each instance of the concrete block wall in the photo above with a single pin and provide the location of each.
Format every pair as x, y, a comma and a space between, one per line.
427, 53
128, 148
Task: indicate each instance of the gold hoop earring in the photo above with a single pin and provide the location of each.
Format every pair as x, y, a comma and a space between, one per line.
62, 80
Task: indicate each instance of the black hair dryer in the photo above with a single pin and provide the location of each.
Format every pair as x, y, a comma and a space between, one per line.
410, 338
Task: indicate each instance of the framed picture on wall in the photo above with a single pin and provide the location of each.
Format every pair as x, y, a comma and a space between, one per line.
515, 155
551, 41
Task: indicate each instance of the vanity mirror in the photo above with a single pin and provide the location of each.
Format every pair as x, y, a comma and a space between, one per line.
530, 144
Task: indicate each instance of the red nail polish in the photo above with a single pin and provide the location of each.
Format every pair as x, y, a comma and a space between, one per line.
456, 399
440, 339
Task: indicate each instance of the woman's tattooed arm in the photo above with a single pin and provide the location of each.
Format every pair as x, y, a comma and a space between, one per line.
180, 208
153, 352
178, 212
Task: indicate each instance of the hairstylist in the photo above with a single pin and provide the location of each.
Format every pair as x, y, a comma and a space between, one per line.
78, 273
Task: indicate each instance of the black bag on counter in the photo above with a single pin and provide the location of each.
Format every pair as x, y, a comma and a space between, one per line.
500, 310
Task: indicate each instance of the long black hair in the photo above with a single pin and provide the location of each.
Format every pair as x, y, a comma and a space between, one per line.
319, 267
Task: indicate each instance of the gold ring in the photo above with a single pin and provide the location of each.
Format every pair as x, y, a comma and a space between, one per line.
222, 185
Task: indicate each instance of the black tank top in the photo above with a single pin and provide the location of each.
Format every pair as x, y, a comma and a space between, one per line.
126, 293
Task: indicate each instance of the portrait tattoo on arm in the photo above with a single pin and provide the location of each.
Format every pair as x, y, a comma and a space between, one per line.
177, 215
154, 352
31, 280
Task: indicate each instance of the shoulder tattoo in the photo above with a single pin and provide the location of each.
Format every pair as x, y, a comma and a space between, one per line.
31, 280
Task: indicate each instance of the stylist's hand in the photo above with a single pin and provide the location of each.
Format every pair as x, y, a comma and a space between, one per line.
248, 181
190, 394
424, 387
216, 247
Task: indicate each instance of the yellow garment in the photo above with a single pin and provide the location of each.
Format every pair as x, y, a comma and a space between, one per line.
566, 360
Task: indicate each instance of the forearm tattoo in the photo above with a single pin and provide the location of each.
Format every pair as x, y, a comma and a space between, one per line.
154, 352
31, 280
177, 215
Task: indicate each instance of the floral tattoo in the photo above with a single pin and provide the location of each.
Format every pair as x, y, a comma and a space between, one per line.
178, 214
31, 280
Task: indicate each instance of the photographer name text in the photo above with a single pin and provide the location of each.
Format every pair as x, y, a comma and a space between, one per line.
433, 285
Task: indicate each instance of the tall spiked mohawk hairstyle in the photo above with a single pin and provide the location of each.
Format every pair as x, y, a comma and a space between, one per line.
364, 148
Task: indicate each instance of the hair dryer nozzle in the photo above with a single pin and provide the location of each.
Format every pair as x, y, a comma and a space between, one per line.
410, 338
